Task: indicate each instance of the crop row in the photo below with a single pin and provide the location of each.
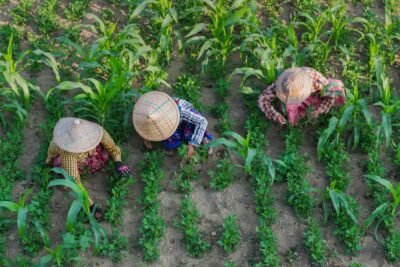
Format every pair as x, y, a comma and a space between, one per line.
293, 169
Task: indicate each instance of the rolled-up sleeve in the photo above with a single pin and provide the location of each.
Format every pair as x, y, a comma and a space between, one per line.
198, 121
265, 102
108, 143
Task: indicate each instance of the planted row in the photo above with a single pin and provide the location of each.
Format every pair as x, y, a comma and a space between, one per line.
293, 169
153, 225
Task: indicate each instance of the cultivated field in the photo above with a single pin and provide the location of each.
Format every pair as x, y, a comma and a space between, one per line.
324, 193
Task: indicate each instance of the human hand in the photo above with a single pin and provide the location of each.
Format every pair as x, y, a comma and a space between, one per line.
281, 120
148, 144
190, 151
122, 169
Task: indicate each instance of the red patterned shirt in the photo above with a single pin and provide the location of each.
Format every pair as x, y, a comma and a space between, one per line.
319, 82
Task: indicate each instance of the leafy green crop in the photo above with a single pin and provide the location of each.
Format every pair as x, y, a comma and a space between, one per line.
76, 9
189, 217
153, 225
315, 244
231, 234
223, 176
21, 13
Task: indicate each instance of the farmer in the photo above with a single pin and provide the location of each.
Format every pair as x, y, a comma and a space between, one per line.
80, 146
158, 117
298, 89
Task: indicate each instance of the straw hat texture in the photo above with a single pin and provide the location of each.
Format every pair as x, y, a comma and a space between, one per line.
155, 116
293, 86
76, 135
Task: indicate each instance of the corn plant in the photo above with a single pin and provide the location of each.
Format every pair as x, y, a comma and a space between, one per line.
266, 53
354, 117
80, 203
21, 210
10, 69
348, 230
230, 237
98, 100
389, 109
387, 208
165, 18
218, 38
341, 24
240, 146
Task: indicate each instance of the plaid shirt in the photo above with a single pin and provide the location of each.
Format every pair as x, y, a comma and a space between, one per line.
69, 161
319, 82
188, 115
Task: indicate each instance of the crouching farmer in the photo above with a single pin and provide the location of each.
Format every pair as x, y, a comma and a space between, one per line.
80, 146
173, 121
299, 89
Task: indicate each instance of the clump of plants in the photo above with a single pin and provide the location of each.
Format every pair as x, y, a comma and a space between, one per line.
187, 87
222, 177
230, 237
315, 244
46, 17
221, 108
76, 9
21, 13
189, 218
153, 225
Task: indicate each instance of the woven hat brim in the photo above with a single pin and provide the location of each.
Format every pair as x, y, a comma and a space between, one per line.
83, 140
169, 116
293, 99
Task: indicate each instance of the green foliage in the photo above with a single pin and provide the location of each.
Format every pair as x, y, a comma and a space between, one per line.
187, 87
240, 146
153, 225
392, 245
387, 209
218, 36
46, 17
100, 100
268, 249
347, 229
115, 246
10, 149
6, 32
17, 95
223, 176
292, 168
76, 9
315, 244
230, 237
21, 13
220, 110
117, 202
81, 203
164, 20
189, 218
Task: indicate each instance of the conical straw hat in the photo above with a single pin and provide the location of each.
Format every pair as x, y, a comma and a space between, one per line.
155, 116
76, 135
293, 86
